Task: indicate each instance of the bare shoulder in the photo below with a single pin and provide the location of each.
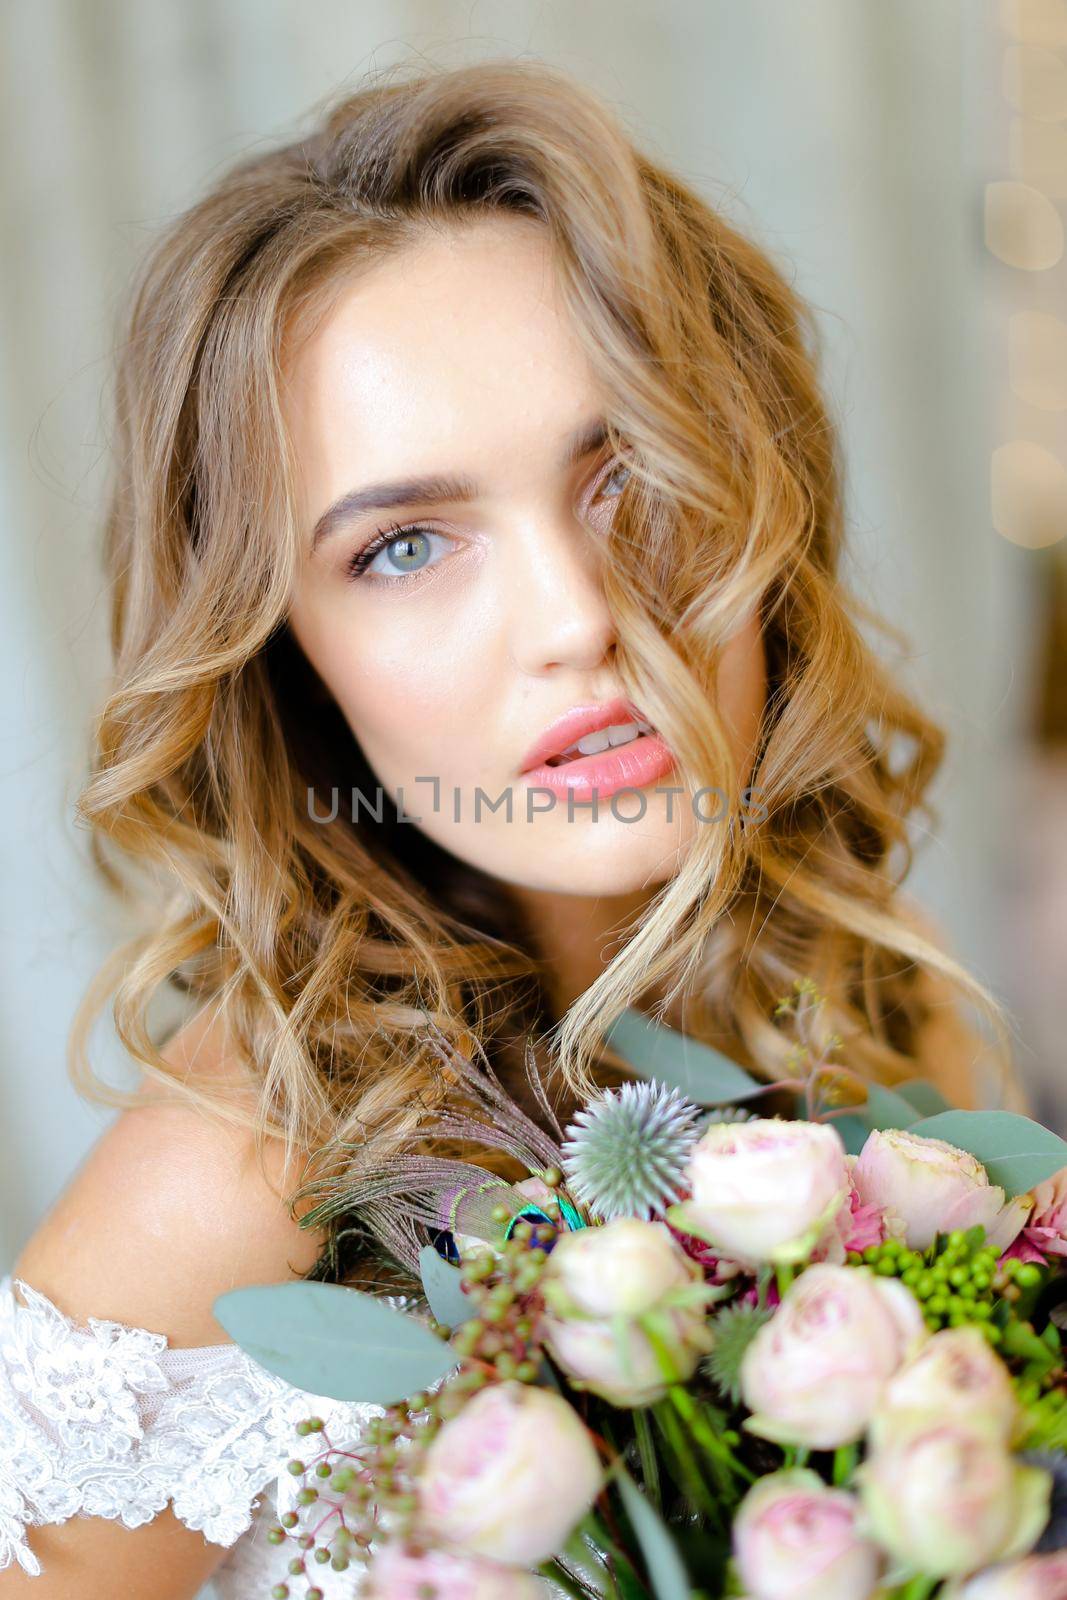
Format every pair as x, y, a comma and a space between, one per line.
170, 1209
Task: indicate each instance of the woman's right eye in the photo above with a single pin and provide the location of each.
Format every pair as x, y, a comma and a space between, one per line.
396, 555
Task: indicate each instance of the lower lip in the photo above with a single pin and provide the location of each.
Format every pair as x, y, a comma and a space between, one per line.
627, 766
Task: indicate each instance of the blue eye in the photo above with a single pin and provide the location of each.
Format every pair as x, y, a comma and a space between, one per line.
403, 550
609, 477
407, 551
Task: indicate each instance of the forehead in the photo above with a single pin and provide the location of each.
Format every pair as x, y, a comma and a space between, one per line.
457, 343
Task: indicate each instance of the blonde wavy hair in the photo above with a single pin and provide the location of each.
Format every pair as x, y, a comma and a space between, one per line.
325, 945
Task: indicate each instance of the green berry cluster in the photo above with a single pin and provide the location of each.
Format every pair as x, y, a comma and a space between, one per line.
956, 1280
500, 1340
358, 1491
345, 1539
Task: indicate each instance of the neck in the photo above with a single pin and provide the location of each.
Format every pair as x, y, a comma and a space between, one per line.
575, 936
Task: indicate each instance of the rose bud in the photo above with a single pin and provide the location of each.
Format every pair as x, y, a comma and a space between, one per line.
815, 1372
955, 1374
765, 1190
947, 1497
599, 1284
509, 1476
1036, 1578
926, 1187
399, 1574
795, 1539
1045, 1234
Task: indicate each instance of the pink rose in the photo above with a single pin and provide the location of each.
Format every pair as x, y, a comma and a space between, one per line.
860, 1225
947, 1497
398, 1574
926, 1187
795, 1539
1045, 1233
482, 1483
599, 1285
1036, 1578
765, 1190
814, 1374
955, 1374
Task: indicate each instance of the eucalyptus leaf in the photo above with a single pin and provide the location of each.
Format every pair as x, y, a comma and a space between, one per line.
853, 1131
334, 1341
665, 1567
1016, 1152
886, 1108
656, 1051
925, 1097
443, 1284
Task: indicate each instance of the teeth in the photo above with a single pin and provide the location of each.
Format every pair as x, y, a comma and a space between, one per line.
594, 744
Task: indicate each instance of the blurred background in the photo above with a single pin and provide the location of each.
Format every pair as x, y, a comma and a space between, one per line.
908, 165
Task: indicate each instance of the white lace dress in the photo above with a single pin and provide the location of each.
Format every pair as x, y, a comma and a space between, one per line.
104, 1420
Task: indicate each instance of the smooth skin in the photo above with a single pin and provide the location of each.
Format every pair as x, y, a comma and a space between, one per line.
168, 1211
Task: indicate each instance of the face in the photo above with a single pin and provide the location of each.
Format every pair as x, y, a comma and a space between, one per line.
456, 622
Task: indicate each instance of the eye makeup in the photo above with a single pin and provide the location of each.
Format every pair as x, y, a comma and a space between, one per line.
357, 565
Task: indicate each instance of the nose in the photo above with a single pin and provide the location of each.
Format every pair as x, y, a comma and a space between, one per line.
558, 616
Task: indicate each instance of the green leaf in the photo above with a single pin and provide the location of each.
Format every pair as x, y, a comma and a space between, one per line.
443, 1284
656, 1051
853, 1131
665, 1568
1016, 1152
334, 1341
925, 1097
1043, 1428
885, 1108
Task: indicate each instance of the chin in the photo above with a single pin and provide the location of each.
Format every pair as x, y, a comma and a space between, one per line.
588, 859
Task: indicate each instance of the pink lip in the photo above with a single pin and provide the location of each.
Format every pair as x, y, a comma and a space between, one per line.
574, 725
628, 766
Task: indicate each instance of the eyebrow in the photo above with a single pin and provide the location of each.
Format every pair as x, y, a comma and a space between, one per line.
430, 490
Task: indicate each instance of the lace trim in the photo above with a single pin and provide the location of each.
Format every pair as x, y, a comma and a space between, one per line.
105, 1420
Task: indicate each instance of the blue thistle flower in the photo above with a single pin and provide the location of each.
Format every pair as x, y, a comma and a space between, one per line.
726, 1114
625, 1154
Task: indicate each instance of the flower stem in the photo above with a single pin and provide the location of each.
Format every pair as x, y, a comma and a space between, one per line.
684, 1466
687, 1408
784, 1273
844, 1463
918, 1588
647, 1451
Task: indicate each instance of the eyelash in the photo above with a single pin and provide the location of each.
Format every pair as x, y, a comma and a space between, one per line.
358, 563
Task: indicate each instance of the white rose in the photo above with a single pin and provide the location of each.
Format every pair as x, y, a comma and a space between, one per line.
481, 1486
928, 1187
945, 1497
398, 1574
601, 1286
955, 1374
795, 1539
766, 1190
815, 1372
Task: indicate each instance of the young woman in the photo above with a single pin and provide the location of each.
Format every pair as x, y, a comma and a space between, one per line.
480, 651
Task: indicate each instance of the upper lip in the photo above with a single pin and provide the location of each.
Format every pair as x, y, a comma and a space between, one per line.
574, 725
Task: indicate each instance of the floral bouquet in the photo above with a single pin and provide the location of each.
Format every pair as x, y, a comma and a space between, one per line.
696, 1352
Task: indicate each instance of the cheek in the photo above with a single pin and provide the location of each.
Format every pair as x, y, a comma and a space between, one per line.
408, 689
